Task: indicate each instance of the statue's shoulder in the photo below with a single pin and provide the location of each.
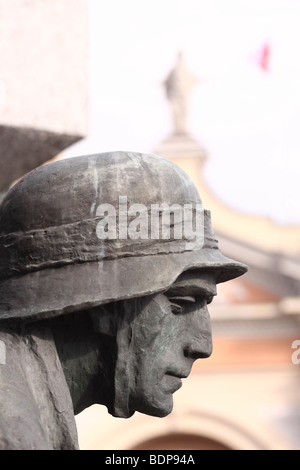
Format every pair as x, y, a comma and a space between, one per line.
20, 426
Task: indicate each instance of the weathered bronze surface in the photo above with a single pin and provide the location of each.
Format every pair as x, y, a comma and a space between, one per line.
98, 303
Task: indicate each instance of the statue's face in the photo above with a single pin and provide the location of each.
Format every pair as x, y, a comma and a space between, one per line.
170, 331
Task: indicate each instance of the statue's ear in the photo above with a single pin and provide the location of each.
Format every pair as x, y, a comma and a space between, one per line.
110, 318
104, 318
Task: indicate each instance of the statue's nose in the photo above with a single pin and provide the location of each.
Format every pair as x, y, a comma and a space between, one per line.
200, 344
199, 348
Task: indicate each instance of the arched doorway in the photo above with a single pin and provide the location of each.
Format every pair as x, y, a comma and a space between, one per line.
180, 441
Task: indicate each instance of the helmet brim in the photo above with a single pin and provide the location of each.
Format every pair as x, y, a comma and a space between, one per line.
50, 292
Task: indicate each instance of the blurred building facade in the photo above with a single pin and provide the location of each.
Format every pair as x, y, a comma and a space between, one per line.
43, 82
247, 394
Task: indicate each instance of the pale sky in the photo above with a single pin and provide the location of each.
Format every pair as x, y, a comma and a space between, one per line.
247, 118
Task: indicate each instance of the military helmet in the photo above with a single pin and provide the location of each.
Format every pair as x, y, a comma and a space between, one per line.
63, 250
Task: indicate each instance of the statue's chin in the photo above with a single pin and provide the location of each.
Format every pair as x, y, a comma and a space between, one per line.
161, 413
160, 410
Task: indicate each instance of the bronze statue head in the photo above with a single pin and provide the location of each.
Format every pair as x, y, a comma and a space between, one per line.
116, 254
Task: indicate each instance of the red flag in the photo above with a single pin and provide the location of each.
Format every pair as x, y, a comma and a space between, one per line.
264, 59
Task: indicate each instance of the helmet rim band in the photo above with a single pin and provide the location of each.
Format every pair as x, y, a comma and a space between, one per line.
58, 291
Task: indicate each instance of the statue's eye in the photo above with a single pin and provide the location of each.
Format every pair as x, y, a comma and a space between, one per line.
178, 304
177, 308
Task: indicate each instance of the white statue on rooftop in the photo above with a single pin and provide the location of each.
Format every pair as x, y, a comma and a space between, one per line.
178, 86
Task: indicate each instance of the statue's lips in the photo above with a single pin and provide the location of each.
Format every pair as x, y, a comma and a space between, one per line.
172, 383
180, 373
173, 380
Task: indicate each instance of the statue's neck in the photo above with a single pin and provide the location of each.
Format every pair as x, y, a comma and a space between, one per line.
87, 361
